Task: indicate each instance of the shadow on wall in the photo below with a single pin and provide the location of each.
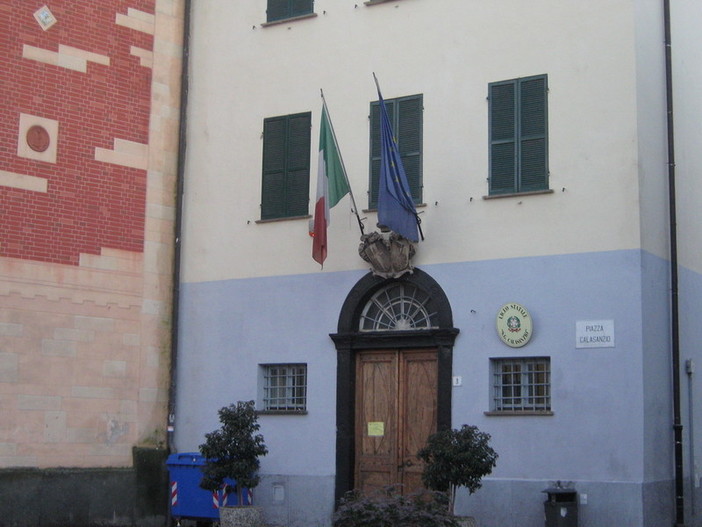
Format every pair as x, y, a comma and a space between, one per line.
85, 497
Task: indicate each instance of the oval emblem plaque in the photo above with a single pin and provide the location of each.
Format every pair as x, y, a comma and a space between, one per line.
514, 325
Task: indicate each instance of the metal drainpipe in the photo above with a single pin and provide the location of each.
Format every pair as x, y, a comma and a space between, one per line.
675, 337
690, 370
178, 226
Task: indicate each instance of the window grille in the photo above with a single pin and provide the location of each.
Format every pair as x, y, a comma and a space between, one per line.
521, 385
285, 387
399, 306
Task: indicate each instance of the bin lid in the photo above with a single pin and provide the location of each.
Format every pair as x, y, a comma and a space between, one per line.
559, 490
188, 459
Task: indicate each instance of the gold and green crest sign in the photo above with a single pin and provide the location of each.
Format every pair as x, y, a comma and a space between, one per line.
514, 325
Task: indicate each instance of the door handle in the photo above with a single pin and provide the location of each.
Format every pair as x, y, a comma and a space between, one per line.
406, 464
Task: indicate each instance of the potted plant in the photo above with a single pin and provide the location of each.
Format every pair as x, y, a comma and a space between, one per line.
232, 453
457, 458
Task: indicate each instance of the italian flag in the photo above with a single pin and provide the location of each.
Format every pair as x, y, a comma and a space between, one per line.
332, 185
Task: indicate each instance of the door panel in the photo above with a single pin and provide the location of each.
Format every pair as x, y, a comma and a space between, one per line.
418, 395
396, 410
376, 420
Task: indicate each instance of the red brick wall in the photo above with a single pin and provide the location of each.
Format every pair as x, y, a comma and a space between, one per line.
89, 204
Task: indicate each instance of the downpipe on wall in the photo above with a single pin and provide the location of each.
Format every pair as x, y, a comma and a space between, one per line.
180, 177
674, 319
690, 370
178, 226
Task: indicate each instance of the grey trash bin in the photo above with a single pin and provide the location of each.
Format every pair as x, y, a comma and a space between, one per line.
561, 507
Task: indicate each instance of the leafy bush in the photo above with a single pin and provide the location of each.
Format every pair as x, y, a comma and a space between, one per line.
233, 450
457, 458
387, 508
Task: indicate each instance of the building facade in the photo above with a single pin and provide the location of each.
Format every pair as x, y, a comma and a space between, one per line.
89, 132
535, 139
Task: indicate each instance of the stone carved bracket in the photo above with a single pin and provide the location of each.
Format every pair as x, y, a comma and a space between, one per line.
388, 253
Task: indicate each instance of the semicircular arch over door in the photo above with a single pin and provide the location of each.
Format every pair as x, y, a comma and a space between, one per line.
394, 363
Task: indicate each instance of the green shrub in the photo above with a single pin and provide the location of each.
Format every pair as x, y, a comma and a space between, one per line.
387, 508
457, 458
233, 450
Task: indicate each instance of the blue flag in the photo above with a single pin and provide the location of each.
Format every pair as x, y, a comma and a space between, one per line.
395, 205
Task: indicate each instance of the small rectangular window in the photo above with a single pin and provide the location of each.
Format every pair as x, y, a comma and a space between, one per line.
518, 135
521, 385
282, 9
284, 387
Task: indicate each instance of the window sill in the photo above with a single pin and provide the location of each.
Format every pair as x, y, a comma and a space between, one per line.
374, 2
290, 218
518, 194
282, 412
542, 413
286, 20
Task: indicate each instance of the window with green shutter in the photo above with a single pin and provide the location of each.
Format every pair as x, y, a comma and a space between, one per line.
282, 9
286, 166
518, 135
405, 115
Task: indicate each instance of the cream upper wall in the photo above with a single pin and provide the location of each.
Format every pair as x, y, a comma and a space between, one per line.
652, 136
687, 60
448, 50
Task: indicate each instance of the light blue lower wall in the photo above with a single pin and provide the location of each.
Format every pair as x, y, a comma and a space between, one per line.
598, 503
691, 391
604, 429
296, 501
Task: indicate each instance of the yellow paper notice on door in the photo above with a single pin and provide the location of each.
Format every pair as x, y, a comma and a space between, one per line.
376, 429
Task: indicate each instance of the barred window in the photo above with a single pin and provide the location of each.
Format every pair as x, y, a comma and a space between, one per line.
284, 387
521, 385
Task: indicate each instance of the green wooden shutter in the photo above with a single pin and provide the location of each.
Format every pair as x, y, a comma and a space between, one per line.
409, 138
298, 173
503, 134
405, 116
301, 7
273, 180
533, 168
286, 166
281, 9
518, 135
277, 10
375, 149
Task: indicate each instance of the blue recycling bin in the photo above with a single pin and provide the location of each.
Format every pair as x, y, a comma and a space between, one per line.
187, 499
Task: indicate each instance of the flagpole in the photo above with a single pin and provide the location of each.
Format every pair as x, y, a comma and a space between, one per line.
341, 160
377, 85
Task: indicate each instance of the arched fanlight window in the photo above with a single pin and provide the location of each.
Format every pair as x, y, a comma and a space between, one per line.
397, 307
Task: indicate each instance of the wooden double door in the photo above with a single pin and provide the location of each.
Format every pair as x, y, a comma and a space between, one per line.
396, 411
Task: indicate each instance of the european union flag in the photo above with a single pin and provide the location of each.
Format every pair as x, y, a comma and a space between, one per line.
395, 205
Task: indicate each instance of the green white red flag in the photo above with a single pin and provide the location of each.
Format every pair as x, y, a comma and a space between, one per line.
332, 185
